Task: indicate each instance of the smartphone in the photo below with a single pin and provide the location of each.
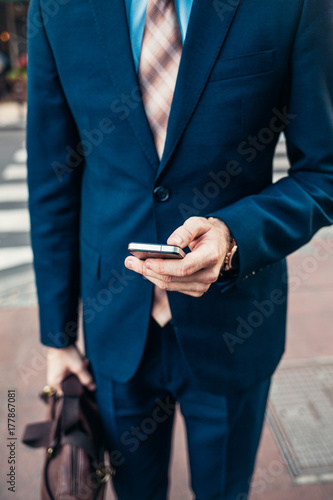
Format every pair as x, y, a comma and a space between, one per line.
151, 250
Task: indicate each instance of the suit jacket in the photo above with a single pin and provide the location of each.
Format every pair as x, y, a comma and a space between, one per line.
249, 70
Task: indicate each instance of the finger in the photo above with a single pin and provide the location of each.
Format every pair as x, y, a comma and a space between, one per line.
55, 374
54, 381
191, 288
200, 258
86, 380
85, 377
189, 231
135, 264
206, 276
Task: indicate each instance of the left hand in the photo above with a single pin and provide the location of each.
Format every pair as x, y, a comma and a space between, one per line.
208, 240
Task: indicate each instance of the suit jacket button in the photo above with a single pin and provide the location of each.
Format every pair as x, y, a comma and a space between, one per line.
161, 193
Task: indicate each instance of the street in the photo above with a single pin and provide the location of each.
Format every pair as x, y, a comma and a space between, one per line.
16, 275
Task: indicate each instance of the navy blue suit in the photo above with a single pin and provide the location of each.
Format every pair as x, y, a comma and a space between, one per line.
249, 70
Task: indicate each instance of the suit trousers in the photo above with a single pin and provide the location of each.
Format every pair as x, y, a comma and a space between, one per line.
223, 432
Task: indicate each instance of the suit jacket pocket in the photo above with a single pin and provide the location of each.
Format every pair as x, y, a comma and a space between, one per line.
245, 65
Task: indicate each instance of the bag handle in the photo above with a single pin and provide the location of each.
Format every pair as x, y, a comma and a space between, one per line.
39, 434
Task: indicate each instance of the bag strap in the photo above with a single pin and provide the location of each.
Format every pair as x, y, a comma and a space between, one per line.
81, 440
72, 392
71, 386
37, 435
70, 414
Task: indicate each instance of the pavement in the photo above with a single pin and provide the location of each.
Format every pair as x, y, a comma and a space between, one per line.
12, 115
295, 459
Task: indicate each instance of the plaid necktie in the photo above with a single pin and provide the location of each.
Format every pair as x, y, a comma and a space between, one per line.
158, 68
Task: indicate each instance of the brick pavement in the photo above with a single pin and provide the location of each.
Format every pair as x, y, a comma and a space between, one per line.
22, 367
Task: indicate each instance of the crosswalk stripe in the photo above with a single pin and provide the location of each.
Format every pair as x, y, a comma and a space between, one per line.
20, 156
15, 172
17, 280
13, 192
16, 220
15, 256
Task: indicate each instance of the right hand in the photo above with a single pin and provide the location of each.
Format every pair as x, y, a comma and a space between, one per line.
63, 362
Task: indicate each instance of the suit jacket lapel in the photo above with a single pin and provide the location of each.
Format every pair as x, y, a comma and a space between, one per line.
112, 28
208, 26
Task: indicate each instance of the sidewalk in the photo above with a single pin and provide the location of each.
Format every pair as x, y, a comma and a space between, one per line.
12, 115
310, 347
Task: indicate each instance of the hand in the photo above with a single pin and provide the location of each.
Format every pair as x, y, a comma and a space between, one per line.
208, 240
63, 362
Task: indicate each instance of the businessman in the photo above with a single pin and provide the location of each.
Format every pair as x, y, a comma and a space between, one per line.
155, 121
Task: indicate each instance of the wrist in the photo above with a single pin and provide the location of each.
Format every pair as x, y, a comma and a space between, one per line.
230, 259
59, 351
223, 227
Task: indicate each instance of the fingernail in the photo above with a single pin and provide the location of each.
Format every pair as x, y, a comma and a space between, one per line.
177, 239
148, 264
129, 264
91, 387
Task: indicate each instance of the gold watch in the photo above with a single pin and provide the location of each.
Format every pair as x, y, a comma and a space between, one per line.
227, 264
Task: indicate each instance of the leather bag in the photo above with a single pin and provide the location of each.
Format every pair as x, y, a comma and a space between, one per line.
74, 467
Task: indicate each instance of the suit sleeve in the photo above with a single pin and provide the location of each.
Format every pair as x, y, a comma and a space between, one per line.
277, 221
54, 190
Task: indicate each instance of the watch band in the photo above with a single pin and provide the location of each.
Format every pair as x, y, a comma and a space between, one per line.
227, 264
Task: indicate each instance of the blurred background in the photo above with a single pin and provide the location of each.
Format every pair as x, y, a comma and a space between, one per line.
13, 60
295, 459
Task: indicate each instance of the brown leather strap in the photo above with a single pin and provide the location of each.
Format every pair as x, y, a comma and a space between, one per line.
70, 414
71, 386
37, 435
81, 440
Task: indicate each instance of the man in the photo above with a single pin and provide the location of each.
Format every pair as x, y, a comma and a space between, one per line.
156, 121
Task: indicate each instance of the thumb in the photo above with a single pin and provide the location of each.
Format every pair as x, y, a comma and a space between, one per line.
189, 231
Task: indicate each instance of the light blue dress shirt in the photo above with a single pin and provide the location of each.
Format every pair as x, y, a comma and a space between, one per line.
136, 13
